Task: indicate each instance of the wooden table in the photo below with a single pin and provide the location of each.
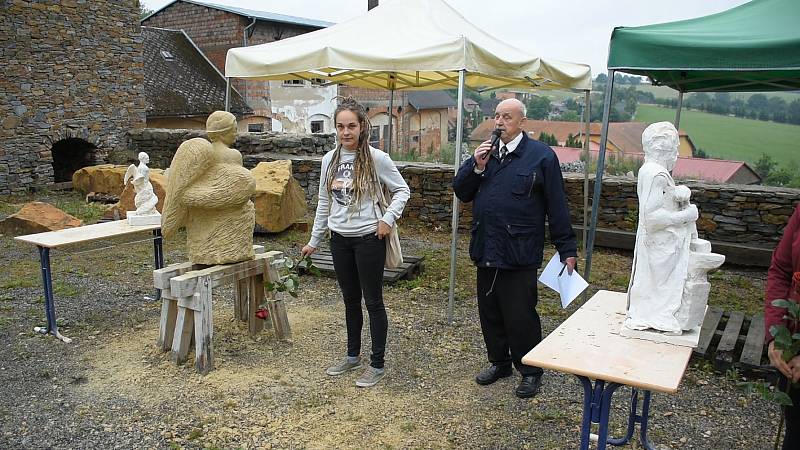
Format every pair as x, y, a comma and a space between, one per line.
77, 235
589, 346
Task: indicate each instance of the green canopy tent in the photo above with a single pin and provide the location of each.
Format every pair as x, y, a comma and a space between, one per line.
752, 47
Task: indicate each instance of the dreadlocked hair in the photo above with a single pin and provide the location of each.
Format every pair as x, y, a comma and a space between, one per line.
364, 175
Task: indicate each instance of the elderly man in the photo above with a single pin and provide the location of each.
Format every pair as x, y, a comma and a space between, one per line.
513, 188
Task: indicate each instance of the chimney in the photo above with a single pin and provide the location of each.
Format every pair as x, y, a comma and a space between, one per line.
371, 4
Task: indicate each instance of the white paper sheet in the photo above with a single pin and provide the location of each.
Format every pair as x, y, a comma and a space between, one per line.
568, 286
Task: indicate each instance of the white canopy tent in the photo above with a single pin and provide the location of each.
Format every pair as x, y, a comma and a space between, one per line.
408, 44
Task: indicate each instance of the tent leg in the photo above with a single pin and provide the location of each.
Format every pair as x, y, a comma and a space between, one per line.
454, 225
389, 138
227, 94
678, 111
598, 178
587, 159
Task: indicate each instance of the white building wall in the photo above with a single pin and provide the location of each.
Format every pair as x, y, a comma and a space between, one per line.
295, 106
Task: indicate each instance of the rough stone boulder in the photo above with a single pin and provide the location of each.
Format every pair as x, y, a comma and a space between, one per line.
279, 199
37, 217
104, 179
126, 198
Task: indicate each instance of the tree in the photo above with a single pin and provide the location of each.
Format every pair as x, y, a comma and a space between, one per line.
570, 116
721, 103
757, 103
547, 138
573, 141
700, 153
144, 11
793, 112
765, 165
538, 107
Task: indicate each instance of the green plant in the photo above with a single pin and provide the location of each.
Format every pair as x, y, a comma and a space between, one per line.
288, 282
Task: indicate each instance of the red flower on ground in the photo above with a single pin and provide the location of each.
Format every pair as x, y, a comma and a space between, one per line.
262, 313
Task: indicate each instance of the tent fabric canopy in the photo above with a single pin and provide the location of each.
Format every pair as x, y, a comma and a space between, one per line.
405, 44
752, 47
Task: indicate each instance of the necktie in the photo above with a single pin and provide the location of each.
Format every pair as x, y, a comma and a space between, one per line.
503, 152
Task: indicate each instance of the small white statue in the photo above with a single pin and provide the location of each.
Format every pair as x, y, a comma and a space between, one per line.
145, 200
668, 291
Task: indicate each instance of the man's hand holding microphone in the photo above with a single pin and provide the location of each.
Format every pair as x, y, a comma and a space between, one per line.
484, 150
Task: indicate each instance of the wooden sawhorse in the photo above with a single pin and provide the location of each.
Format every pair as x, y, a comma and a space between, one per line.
186, 308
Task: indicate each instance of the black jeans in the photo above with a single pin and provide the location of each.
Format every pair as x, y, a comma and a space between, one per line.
358, 262
791, 417
509, 321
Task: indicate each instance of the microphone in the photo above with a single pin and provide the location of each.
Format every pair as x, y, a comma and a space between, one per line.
495, 143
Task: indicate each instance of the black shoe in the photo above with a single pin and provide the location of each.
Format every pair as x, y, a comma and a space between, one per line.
492, 373
528, 386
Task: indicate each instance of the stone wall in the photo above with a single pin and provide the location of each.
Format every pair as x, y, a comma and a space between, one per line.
749, 215
160, 144
72, 73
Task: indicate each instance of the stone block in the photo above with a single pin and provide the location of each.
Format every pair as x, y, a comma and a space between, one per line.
279, 199
37, 217
103, 178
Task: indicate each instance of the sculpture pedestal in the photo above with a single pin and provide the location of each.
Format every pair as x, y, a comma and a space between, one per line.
152, 219
186, 310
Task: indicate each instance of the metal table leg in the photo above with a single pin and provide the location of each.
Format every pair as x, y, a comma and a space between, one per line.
49, 300
158, 253
597, 408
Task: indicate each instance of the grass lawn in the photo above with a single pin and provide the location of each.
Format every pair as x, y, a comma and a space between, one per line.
666, 92
731, 137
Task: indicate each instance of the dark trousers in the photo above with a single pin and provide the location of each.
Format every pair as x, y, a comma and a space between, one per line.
358, 262
509, 321
791, 417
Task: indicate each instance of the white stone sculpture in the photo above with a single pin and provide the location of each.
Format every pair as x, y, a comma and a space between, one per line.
668, 291
145, 200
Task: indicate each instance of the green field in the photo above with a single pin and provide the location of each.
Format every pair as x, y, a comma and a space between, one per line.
665, 92
728, 137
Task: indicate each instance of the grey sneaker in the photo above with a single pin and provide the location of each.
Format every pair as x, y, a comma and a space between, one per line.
370, 377
343, 366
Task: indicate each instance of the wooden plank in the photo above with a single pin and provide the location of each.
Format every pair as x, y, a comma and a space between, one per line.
166, 326
727, 343
754, 342
588, 343
86, 233
204, 328
710, 323
184, 329
162, 276
276, 306
185, 285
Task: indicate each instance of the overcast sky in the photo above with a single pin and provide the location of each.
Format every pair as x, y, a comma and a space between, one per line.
569, 30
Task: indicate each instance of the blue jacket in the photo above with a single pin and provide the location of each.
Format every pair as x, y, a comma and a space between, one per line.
510, 202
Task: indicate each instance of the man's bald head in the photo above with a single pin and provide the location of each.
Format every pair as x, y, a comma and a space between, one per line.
514, 103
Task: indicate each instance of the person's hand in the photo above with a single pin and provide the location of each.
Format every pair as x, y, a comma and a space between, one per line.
383, 229
776, 358
307, 251
572, 263
794, 364
482, 155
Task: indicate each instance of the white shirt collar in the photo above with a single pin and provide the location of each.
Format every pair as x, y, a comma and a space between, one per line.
514, 142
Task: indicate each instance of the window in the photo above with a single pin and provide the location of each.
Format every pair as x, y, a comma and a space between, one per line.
167, 55
318, 81
375, 136
317, 126
255, 127
293, 82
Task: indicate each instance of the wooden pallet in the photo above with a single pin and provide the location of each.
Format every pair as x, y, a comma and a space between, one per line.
412, 266
733, 341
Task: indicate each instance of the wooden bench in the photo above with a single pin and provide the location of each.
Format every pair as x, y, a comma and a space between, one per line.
187, 309
732, 340
411, 268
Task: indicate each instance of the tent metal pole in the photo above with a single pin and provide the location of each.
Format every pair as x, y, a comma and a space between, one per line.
587, 160
391, 102
678, 111
598, 178
456, 164
227, 94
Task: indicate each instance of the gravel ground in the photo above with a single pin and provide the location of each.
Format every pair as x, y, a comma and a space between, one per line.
111, 387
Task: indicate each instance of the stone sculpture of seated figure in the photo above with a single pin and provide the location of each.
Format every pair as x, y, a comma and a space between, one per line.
208, 194
668, 289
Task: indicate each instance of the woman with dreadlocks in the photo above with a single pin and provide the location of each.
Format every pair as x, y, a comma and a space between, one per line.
348, 206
